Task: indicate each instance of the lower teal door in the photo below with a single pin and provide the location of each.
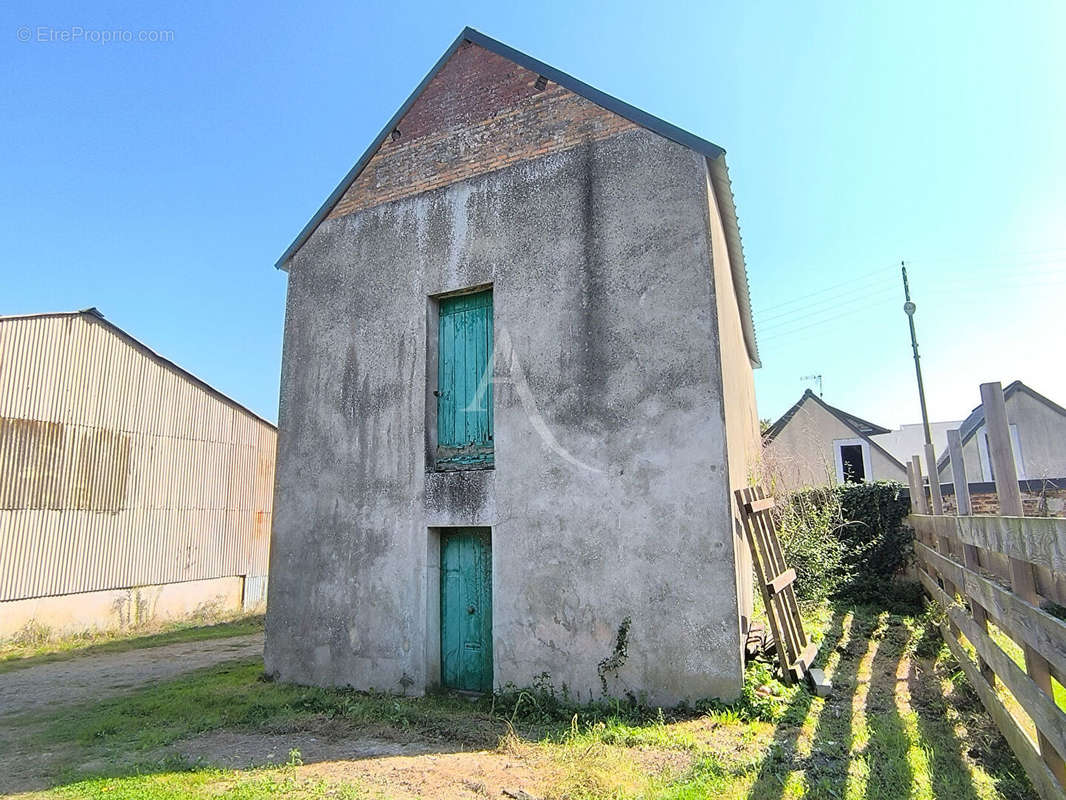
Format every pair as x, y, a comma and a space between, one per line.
466, 609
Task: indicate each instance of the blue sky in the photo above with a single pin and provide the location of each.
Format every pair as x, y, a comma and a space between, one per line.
160, 181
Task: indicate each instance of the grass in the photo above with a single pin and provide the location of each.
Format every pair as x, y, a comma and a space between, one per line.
210, 784
901, 723
234, 696
40, 648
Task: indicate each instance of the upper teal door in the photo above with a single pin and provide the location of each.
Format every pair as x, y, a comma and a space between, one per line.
466, 609
464, 381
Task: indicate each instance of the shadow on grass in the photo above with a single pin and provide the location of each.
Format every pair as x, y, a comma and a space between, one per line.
780, 757
228, 709
124, 643
889, 747
940, 710
896, 750
158, 728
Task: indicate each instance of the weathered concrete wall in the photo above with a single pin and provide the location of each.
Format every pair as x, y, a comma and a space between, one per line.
803, 454
124, 609
610, 494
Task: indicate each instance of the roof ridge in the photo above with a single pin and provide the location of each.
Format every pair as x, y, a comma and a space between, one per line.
96, 315
711, 151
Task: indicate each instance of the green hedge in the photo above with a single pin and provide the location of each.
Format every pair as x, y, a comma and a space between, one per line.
849, 541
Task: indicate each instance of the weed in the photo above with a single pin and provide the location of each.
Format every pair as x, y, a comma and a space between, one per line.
617, 659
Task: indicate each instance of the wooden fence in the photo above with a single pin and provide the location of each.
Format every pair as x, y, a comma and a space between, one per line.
1003, 571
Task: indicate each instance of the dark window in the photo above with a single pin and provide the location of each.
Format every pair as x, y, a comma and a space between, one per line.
851, 461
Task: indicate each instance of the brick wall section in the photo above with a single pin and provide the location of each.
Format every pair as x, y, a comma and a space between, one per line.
1051, 503
480, 113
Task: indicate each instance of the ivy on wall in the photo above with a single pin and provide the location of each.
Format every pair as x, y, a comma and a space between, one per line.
849, 541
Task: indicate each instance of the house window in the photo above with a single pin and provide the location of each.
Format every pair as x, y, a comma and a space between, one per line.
464, 382
852, 460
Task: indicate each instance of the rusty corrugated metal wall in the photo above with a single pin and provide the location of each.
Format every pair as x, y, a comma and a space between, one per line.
118, 469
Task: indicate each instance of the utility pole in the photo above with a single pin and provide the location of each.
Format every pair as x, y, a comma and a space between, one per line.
909, 308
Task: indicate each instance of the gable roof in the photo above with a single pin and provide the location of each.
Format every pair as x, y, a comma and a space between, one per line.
715, 159
93, 316
861, 428
857, 424
976, 419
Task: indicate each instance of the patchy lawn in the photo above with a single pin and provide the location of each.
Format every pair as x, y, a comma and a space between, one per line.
37, 647
901, 723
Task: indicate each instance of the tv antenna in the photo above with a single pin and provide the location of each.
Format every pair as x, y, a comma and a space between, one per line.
817, 380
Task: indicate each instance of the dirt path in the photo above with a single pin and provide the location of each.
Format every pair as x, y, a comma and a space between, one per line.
94, 676
26, 764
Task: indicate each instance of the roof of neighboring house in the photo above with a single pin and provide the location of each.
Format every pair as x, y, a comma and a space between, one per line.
861, 427
93, 315
715, 158
976, 419
857, 424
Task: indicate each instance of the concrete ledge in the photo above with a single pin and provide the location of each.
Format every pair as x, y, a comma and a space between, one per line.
123, 608
460, 497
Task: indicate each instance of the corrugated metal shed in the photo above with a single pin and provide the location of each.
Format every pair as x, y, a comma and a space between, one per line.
120, 469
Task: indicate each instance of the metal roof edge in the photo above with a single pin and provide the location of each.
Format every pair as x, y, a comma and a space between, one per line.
727, 210
93, 315
42, 314
468, 34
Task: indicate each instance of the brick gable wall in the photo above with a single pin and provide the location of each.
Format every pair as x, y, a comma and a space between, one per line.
479, 113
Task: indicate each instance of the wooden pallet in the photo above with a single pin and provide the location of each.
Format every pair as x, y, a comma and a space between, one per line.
776, 579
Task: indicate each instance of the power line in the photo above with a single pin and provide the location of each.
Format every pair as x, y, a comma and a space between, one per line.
833, 311
838, 297
782, 331
824, 289
1022, 279
851, 312
1015, 260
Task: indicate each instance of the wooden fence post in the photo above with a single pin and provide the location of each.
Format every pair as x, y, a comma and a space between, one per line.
1023, 581
958, 474
915, 508
969, 551
934, 479
919, 485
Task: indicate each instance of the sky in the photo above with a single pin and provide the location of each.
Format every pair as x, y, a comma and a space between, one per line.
160, 180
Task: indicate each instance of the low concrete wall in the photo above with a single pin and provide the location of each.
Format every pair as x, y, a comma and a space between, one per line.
124, 608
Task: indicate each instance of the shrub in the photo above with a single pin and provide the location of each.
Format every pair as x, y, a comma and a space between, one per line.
808, 523
879, 544
848, 541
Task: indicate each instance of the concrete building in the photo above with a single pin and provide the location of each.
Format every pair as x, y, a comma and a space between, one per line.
1038, 438
516, 395
909, 439
815, 444
130, 491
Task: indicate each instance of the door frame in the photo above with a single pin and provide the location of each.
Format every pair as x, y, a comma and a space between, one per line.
434, 677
